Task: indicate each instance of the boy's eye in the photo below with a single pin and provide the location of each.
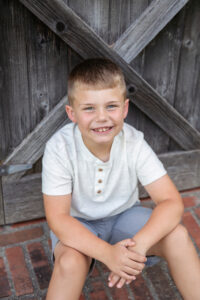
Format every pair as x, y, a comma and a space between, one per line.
111, 106
89, 108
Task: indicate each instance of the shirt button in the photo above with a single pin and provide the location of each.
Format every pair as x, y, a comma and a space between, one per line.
100, 170
99, 181
99, 192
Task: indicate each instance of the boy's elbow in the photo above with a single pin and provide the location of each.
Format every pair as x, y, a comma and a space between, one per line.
54, 222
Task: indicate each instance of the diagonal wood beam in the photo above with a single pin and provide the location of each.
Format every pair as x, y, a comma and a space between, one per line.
78, 35
146, 27
32, 147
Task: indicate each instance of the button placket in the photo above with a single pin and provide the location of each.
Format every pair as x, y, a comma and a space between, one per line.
99, 181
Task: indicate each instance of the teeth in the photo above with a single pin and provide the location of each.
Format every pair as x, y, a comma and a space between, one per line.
102, 129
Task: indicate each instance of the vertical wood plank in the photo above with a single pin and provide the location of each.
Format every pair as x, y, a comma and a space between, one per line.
187, 99
47, 65
160, 69
95, 13
14, 122
33, 70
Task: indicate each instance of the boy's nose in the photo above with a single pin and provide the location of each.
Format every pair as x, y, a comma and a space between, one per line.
101, 114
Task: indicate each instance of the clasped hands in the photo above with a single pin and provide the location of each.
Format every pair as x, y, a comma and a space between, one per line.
125, 263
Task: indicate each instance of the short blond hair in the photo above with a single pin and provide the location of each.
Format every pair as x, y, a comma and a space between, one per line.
96, 73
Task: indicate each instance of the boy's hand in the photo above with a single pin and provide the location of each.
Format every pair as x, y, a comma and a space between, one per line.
123, 262
116, 279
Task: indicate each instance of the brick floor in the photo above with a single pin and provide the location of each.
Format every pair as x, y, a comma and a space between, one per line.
25, 263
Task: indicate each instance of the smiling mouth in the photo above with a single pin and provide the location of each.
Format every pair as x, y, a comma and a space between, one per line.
102, 129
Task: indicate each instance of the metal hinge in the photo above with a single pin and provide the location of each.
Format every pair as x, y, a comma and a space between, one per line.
11, 169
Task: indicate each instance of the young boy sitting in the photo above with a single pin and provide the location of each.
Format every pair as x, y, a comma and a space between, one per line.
91, 169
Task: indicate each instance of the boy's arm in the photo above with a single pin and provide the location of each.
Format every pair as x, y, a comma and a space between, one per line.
165, 217
73, 234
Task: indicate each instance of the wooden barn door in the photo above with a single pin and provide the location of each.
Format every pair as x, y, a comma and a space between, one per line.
20, 198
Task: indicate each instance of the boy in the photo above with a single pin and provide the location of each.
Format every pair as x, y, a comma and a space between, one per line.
90, 172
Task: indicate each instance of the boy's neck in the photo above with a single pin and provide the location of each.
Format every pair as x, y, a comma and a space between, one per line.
102, 152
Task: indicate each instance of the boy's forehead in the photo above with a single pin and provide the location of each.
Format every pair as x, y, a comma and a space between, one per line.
87, 89
87, 93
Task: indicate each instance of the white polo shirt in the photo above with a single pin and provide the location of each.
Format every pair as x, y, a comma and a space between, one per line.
99, 189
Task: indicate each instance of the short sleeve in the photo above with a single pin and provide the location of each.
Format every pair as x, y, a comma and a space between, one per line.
56, 174
148, 167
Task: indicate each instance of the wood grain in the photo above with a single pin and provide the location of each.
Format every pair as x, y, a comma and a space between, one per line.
187, 97
84, 40
25, 193
32, 147
146, 27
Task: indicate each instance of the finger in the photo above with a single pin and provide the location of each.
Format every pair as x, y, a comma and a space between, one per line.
127, 276
110, 276
128, 281
127, 243
131, 271
137, 257
115, 278
135, 265
121, 283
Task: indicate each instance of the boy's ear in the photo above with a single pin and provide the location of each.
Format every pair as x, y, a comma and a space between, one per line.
126, 106
70, 112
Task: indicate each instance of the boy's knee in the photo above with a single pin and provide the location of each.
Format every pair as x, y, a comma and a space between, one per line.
179, 234
177, 238
71, 261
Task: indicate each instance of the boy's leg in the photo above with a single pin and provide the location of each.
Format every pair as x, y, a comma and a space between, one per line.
70, 270
177, 248
183, 261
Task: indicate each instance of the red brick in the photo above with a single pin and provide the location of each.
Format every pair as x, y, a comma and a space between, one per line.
197, 211
97, 291
40, 264
20, 275
161, 283
189, 201
140, 290
20, 236
4, 284
105, 268
95, 272
27, 223
192, 227
119, 294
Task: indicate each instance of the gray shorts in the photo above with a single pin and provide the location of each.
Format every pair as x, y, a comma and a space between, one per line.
117, 228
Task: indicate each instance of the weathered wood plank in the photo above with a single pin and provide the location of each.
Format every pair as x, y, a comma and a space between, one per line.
32, 147
63, 21
160, 70
26, 192
187, 99
95, 13
23, 199
47, 68
183, 169
33, 72
121, 15
146, 27
14, 124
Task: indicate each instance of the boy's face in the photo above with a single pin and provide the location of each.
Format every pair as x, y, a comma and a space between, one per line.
99, 114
